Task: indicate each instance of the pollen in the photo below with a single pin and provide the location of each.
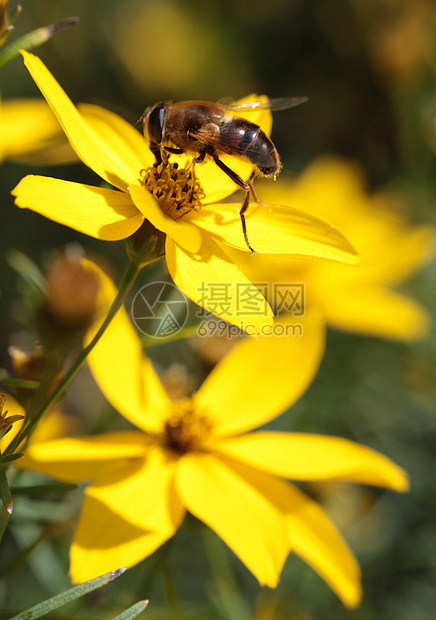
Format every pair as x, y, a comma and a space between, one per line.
186, 429
176, 190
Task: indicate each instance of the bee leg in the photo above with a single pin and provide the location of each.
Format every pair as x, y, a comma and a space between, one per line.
244, 225
173, 150
251, 186
247, 187
156, 149
200, 158
166, 150
196, 160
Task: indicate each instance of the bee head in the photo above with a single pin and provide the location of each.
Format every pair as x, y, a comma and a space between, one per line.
153, 120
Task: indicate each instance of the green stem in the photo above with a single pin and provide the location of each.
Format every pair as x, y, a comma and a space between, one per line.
34, 39
229, 598
171, 589
5, 492
126, 284
4, 519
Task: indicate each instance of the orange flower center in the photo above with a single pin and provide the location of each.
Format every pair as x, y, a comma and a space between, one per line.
186, 429
176, 190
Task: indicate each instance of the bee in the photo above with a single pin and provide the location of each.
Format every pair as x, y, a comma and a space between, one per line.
207, 130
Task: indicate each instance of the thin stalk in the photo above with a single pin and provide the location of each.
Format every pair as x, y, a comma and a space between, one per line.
228, 597
126, 284
186, 332
5, 491
34, 39
171, 589
4, 519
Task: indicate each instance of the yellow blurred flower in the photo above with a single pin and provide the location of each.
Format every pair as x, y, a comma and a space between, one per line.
54, 424
196, 455
30, 133
138, 36
197, 244
9, 420
362, 299
400, 38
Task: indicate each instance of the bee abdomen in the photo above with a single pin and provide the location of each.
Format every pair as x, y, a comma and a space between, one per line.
263, 154
249, 140
260, 150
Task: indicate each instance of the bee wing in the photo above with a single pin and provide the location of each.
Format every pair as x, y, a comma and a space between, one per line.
279, 103
228, 142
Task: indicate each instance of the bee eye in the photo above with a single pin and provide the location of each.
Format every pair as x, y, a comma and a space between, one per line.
156, 123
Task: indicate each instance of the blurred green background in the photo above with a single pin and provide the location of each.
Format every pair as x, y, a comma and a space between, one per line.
368, 68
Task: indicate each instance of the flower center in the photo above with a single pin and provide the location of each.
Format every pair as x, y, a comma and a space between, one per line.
176, 190
186, 429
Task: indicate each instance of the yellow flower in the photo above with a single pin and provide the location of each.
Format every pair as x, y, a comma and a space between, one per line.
197, 244
10, 421
196, 455
361, 299
30, 133
54, 424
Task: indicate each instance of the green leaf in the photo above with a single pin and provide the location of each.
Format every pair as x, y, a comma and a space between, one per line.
11, 457
44, 489
26, 384
26, 268
74, 593
133, 611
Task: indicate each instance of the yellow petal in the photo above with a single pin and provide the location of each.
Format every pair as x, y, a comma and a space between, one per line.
13, 408
329, 187
315, 539
104, 542
397, 255
95, 211
216, 184
28, 129
96, 150
310, 534
375, 311
214, 282
130, 144
76, 460
260, 379
229, 499
124, 374
141, 491
183, 232
105, 539
276, 229
303, 456
53, 425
